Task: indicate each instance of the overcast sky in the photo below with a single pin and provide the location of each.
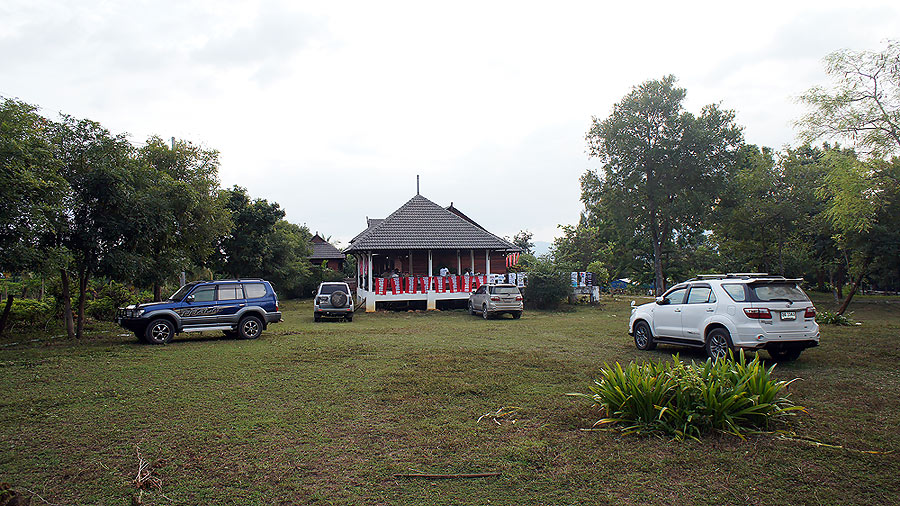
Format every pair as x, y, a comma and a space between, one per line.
332, 108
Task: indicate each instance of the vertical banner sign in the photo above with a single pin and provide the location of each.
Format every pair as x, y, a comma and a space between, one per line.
590, 279
454, 284
467, 283
512, 278
440, 284
425, 285
581, 279
411, 284
574, 279
380, 286
522, 278
395, 286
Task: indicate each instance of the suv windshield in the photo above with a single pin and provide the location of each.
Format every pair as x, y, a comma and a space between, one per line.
778, 292
177, 296
504, 290
329, 289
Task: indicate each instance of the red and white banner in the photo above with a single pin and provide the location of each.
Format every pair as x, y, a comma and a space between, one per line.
395, 286
380, 286
454, 283
426, 284
411, 284
512, 259
441, 284
467, 283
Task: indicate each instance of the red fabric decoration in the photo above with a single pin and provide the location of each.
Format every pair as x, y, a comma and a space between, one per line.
395, 286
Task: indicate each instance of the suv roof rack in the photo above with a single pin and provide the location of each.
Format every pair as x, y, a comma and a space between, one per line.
736, 275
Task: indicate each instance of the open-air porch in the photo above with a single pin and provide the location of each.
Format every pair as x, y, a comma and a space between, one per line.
425, 252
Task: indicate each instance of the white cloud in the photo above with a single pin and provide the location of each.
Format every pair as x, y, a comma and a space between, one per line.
310, 103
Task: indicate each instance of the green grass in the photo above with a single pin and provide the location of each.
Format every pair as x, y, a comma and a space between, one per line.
328, 412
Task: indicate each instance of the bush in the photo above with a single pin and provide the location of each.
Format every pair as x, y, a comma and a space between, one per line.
29, 312
686, 401
829, 318
547, 285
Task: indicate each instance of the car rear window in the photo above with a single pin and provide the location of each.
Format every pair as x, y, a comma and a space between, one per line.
778, 292
329, 289
736, 292
254, 290
701, 295
504, 290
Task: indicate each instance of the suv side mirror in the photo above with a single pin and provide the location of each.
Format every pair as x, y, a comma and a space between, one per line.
662, 301
190, 298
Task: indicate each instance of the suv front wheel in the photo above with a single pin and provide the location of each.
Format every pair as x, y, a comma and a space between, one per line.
160, 331
643, 338
250, 327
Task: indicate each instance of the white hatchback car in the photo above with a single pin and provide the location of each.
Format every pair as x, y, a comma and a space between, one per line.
729, 311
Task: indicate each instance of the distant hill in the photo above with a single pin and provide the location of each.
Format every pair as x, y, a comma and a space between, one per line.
541, 247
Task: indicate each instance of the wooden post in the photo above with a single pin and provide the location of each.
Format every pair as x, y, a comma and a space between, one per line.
458, 263
370, 298
430, 301
487, 263
472, 259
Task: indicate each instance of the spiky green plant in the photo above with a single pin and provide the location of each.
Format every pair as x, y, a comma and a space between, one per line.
728, 395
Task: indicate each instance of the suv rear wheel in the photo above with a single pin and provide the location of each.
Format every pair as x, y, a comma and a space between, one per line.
250, 327
785, 354
718, 343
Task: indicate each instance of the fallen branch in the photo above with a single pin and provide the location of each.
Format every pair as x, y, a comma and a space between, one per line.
446, 476
500, 413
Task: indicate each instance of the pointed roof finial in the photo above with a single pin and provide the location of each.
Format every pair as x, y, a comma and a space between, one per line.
417, 184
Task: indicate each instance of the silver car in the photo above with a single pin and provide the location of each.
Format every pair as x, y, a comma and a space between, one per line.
333, 300
493, 300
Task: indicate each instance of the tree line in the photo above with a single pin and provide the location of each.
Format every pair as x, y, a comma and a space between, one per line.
681, 194
79, 203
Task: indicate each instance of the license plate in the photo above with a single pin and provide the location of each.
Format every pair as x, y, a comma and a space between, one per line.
788, 315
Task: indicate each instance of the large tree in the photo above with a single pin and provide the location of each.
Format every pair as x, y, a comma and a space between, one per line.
31, 191
863, 202
663, 167
94, 220
176, 213
862, 104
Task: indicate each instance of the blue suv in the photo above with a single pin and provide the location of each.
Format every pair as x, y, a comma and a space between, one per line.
238, 307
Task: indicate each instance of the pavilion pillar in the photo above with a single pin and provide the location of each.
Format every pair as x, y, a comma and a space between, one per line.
430, 300
411, 271
370, 298
472, 260
458, 263
487, 263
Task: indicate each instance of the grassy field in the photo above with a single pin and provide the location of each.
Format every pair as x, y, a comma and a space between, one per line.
328, 412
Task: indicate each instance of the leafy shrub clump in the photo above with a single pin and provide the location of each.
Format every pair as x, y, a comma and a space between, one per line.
829, 318
686, 401
30, 312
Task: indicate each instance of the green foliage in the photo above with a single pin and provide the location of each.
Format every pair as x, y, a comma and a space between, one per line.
547, 285
829, 318
863, 103
663, 169
686, 401
523, 239
30, 313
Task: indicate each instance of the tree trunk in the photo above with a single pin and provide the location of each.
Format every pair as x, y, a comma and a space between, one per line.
6, 310
657, 252
157, 296
67, 304
82, 295
840, 278
855, 285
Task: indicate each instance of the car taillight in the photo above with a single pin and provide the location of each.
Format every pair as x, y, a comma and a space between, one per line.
810, 312
518, 298
495, 297
757, 313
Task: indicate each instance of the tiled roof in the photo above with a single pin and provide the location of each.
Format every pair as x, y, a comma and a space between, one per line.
422, 224
325, 251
